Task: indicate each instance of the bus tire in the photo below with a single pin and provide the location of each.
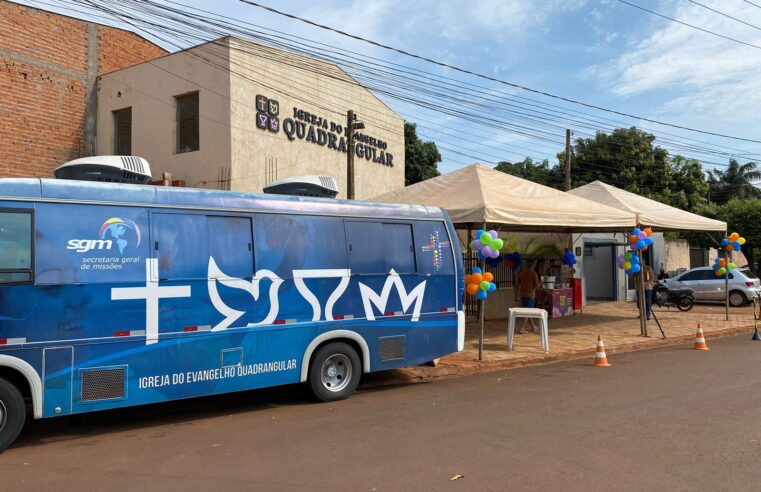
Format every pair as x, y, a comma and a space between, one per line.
12, 413
334, 372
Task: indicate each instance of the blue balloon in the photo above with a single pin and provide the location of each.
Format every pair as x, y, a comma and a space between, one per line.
725, 242
636, 231
481, 256
476, 270
716, 266
640, 244
649, 241
737, 245
481, 295
629, 271
635, 268
492, 287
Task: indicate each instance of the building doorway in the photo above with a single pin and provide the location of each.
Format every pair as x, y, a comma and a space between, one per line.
600, 280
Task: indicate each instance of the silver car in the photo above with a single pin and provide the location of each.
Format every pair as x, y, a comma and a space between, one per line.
744, 285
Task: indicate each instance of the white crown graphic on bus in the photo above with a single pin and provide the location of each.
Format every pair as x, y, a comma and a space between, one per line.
112, 231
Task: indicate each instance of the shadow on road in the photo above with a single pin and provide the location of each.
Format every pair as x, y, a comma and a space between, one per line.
180, 412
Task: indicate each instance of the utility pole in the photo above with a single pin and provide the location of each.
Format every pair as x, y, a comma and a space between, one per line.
351, 125
568, 160
350, 119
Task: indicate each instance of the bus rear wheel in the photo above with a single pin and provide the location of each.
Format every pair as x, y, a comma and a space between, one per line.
334, 372
12, 414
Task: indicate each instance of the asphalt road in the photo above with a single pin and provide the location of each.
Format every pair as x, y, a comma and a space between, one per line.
671, 418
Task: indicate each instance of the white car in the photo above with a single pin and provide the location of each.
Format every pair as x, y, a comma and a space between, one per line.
744, 285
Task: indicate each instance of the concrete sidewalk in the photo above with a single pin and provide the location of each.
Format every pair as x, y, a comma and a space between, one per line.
574, 337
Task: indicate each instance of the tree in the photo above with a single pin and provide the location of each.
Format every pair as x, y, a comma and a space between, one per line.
420, 158
538, 172
628, 158
743, 216
736, 182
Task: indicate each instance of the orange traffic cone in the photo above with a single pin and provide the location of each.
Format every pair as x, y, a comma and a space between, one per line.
700, 340
601, 360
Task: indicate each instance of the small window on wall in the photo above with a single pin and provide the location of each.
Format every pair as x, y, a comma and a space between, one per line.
15, 247
123, 131
187, 123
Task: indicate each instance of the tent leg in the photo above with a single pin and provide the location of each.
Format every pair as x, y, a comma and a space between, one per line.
727, 259
481, 309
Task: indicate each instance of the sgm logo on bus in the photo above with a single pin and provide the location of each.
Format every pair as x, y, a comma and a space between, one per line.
115, 230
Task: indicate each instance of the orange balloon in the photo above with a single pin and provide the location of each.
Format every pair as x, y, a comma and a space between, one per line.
473, 289
633, 239
722, 263
476, 278
467, 278
730, 247
734, 236
488, 276
648, 231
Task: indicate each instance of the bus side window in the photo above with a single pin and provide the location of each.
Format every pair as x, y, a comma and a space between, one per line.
15, 247
231, 245
377, 248
399, 247
434, 250
180, 244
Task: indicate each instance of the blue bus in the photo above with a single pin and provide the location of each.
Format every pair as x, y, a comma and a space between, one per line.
113, 295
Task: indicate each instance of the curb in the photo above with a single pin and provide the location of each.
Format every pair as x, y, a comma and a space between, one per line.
457, 367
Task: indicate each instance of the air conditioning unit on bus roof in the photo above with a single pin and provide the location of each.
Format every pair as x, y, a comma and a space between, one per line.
319, 186
107, 168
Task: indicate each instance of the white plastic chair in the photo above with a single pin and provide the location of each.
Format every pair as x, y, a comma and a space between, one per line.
531, 313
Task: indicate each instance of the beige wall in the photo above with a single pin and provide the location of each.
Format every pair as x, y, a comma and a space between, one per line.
677, 254
229, 77
150, 89
260, 156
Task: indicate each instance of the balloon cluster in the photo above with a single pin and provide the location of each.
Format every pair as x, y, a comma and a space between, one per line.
487, 244
479, 283
722, 266
640, 240
733, 243
569, 258
629, 263
513, 260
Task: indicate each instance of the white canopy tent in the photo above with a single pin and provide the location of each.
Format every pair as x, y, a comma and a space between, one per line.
479, 195
649, 212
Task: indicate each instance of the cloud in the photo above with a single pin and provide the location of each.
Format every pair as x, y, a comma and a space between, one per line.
697, 72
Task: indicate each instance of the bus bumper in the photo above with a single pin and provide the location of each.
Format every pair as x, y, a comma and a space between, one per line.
460, 330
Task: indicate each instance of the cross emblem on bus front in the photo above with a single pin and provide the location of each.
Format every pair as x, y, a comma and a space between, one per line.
151, 293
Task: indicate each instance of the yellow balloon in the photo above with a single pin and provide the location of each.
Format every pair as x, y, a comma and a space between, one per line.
627, 265
742, 240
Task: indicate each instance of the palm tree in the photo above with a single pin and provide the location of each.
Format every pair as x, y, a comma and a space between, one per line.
735, 182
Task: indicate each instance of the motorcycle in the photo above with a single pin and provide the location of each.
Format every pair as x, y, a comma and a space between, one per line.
665, 296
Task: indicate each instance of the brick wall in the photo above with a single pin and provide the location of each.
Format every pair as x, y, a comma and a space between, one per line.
48, 71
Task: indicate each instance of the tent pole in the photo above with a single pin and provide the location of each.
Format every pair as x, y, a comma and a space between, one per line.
641, 297
727, 259
481, 309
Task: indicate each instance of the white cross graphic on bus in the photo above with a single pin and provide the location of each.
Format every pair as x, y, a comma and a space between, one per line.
151, 293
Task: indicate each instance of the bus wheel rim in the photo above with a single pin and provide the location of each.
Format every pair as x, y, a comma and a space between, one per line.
336, 372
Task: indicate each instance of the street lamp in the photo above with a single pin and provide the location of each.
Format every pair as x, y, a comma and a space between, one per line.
351, 125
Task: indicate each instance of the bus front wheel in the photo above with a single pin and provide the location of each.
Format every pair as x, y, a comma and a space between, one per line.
12, 413
334, 372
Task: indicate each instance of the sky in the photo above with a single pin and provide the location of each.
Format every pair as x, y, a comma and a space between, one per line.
602, 52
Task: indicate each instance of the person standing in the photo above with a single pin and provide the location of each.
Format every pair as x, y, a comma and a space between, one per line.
649, 278
525, 291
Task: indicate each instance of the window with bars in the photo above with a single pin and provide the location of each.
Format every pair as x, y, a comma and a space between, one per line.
187, 123
123, 131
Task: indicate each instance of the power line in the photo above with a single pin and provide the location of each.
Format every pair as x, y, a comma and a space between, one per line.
494, 79
725, 15
686, 24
